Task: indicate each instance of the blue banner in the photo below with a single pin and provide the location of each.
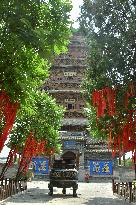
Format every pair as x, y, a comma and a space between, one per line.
101, 167
41, 165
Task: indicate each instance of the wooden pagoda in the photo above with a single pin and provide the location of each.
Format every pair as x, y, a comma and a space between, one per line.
64, 84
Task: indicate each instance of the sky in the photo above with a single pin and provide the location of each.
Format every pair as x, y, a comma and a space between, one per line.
76, 11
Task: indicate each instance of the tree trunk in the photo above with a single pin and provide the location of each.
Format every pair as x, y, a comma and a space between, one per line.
4, 169
135, 170
119, 160
124, 161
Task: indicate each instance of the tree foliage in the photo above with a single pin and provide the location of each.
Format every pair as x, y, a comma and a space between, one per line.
110, 30
31, 33
110, 27
43, 119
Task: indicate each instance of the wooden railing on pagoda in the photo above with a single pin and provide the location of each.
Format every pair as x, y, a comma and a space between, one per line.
9, 187
127, 190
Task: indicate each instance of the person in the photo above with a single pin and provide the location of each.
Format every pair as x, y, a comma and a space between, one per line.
87, 177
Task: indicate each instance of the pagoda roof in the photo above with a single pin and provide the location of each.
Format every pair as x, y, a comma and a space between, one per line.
98, 151
75, 138
92, 140
66, 81
66, 135
55, 66
66, 57
75, 121
65, 91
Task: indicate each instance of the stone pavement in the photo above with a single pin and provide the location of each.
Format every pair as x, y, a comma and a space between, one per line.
88, 194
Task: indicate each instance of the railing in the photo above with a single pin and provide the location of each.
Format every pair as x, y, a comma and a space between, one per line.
9, 187
127, 190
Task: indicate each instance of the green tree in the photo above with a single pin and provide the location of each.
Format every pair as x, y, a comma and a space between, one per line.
110, 30
110, 27
31, 33
42, 118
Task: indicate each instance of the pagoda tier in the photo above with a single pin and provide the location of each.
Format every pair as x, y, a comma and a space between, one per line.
72, 100
74, 124
68, 61
73, 128
65, 79
76, 136
99, 147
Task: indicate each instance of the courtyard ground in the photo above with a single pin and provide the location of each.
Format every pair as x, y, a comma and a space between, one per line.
88, 194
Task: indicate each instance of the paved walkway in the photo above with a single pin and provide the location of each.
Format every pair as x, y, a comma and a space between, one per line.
88, 194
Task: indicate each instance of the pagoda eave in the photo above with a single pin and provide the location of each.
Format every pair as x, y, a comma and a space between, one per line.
75, 121
75, 138
58, 66
99, 151
65, 91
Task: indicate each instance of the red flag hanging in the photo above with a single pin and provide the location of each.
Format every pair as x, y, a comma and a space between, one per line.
8, 110
104, 99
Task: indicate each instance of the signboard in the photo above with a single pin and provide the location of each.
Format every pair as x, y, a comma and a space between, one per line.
70, 74
41, 165
69, 144
102, 167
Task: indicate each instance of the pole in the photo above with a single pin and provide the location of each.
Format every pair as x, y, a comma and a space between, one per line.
135, 170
